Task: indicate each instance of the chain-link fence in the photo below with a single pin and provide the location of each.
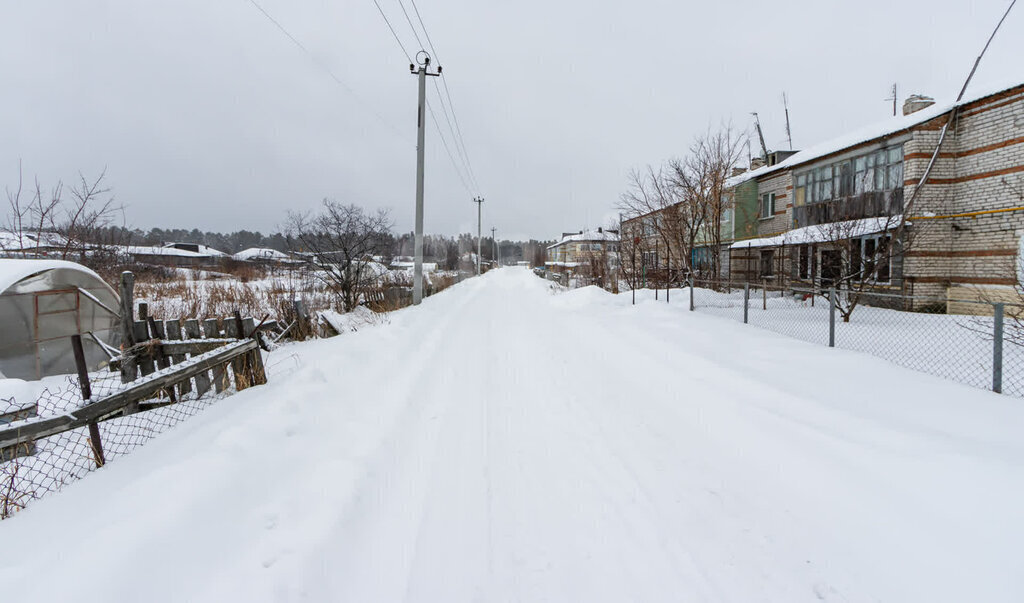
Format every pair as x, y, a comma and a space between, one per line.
32, 470
984, 349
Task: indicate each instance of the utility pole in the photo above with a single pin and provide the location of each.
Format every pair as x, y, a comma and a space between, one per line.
479, 205
421, 127
494, 242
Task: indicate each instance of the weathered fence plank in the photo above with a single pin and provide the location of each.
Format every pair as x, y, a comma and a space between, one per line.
113, 405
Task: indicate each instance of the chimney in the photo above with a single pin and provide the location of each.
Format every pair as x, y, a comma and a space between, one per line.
916, 102
756, 162
599, 230
736, 171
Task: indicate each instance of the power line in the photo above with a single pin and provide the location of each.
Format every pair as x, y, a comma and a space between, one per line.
459, 148
451, 157
393, 32
458, 128
413, 27
327, 69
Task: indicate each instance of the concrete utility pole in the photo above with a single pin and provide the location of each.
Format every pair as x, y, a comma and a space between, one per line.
479, 205
494, 242
421, 127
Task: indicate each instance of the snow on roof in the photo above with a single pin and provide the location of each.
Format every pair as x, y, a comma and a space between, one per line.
261, 253
12, 241
874, 131
14, 270
427, 266
822, 233
587, 235
165, 251
203, 249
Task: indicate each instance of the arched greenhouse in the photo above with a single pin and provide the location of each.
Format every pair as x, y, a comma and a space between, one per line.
42, 304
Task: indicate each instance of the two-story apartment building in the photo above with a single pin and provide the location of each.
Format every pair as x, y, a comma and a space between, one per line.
848, 206
592, 253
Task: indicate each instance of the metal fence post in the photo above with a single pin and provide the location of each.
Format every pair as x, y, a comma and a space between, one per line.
832, 317
691, 294
997, 348
746, 301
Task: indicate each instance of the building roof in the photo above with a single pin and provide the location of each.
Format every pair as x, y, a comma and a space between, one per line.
262, 253
203, 249
893, 125
13, 241
13, 271
587, 236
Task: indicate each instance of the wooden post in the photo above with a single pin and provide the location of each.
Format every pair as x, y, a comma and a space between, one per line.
129, 370
162, 361
233, 327
210, 329
83, 370
193, 331
96, 444
221, 381
173, 330
83, 384
144, 333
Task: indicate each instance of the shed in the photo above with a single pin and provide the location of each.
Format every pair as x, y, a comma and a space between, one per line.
42, 304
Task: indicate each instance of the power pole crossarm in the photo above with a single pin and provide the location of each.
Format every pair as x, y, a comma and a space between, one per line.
421, 126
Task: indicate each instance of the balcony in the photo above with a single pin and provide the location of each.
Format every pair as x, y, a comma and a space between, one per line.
866, 205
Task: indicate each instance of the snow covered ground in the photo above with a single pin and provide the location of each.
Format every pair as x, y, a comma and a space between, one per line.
956, 347
506, 441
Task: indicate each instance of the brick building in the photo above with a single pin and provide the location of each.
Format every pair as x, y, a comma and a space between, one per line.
849, 204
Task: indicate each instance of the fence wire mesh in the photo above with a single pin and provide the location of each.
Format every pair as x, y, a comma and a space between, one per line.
910, 331
50, 463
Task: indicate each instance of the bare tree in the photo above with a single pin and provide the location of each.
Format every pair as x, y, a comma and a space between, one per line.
53, 224
342, 240
857, 256
701, 175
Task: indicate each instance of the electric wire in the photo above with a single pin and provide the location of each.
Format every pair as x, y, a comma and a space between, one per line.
437, 125
328, 70
460, 140
393, 32
447, 149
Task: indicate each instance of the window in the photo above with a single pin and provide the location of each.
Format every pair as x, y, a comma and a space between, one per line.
800, 195
805, 262
870, 258
767, 262
855, 260
876, 171
767, 205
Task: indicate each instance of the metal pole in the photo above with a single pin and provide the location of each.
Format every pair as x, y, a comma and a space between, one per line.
479, 248
691, 294
831, 317
997, 349
421, 128
494, 244
657, 264
746, 301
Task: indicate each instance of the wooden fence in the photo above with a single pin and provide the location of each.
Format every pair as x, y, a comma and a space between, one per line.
162, 363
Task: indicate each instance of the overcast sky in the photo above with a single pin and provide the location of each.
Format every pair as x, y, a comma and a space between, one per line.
206, 116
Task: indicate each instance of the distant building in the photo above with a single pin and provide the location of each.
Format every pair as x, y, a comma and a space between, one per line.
263, 255
187, 255
587, 253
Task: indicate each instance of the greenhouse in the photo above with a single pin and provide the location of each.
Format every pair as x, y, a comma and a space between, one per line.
42, 304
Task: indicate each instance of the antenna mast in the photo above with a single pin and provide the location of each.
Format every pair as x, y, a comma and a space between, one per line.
789, 134
760, 136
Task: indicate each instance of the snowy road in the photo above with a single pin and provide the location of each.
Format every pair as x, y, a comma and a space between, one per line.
503, 443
